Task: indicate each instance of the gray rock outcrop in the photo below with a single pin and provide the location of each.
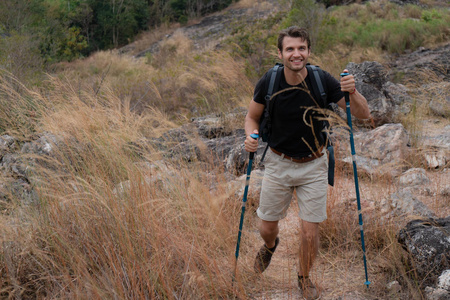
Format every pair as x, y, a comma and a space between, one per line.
387, 101
428, 242
380, 151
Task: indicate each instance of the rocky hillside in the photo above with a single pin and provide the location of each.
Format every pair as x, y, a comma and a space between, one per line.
409, 156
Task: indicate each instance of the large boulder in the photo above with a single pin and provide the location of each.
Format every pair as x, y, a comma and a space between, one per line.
404, 204
387, 101
380, 151
428, 242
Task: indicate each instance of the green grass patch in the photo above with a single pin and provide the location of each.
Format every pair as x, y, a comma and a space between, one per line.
391, 29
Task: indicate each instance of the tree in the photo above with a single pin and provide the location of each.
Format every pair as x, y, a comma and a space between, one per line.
117, 21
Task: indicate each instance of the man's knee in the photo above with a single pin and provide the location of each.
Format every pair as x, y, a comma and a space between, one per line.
268, 227
310, 231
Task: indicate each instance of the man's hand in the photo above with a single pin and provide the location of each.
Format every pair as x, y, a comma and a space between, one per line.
348, 83
359, 107
251, 144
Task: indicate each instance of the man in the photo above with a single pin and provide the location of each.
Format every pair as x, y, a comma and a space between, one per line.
296, 160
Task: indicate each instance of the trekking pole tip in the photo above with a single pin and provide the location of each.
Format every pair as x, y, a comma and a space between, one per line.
367, 283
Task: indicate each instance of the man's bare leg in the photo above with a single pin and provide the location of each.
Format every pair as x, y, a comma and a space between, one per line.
269, 232
309, 246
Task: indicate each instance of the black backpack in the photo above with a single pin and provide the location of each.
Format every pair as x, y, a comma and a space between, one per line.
319, 94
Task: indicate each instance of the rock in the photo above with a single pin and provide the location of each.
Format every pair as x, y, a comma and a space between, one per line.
428, 242
386, 100
415, 176
394, 287
369, 72
44, 145
436, 148
442, 290
436, 294
436, 158
13, 166
444, 280
440, 102
8, 144
433, 62
380, 151
399, 95
404, 204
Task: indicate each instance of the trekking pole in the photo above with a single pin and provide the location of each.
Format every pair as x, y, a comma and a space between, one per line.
355, 174
244, 200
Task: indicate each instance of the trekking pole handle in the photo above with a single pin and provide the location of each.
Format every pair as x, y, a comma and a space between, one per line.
346, 94
253, 136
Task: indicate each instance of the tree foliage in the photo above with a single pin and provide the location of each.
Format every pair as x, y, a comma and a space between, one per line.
64, 30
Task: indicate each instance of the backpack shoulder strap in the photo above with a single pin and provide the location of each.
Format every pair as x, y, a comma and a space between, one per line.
272, 85
274, 78
318, 83
273, 82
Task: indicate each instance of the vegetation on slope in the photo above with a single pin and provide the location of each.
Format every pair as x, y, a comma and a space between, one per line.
173, 237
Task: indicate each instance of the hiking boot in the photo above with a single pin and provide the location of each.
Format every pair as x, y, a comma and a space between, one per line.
264, 256
307, 289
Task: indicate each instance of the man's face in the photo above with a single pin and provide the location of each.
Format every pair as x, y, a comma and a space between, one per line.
295, 53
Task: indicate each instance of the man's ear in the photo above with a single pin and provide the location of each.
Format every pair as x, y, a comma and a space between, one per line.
280, 56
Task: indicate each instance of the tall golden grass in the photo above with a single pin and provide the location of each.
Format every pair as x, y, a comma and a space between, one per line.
164, 236
177, 81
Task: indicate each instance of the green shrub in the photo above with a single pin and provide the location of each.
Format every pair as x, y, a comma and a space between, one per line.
430, 15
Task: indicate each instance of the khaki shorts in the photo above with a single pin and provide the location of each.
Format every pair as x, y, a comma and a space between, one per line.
282, 177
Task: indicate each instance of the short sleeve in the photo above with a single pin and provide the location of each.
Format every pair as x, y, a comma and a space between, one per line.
334, 93
260, 91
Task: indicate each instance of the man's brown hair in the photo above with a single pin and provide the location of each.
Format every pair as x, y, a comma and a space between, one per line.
295, 32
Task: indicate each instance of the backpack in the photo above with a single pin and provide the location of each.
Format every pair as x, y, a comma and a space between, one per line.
319, 94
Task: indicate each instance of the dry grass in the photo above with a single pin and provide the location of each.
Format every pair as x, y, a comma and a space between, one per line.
336, 59
84, 239
174, 81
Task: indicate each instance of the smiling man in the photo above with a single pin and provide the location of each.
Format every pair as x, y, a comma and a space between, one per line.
297, 160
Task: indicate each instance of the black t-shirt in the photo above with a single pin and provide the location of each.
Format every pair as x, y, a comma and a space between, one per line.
295, 119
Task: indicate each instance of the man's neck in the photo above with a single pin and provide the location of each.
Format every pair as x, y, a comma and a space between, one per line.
295, 77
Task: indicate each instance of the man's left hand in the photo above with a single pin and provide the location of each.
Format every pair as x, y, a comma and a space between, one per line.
348, 83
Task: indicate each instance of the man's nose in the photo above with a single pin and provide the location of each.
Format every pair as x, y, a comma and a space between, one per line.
297, 52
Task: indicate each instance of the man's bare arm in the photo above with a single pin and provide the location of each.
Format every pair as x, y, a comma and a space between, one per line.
358, 103
255, 111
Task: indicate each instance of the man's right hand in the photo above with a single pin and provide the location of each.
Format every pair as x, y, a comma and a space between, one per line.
251, 144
